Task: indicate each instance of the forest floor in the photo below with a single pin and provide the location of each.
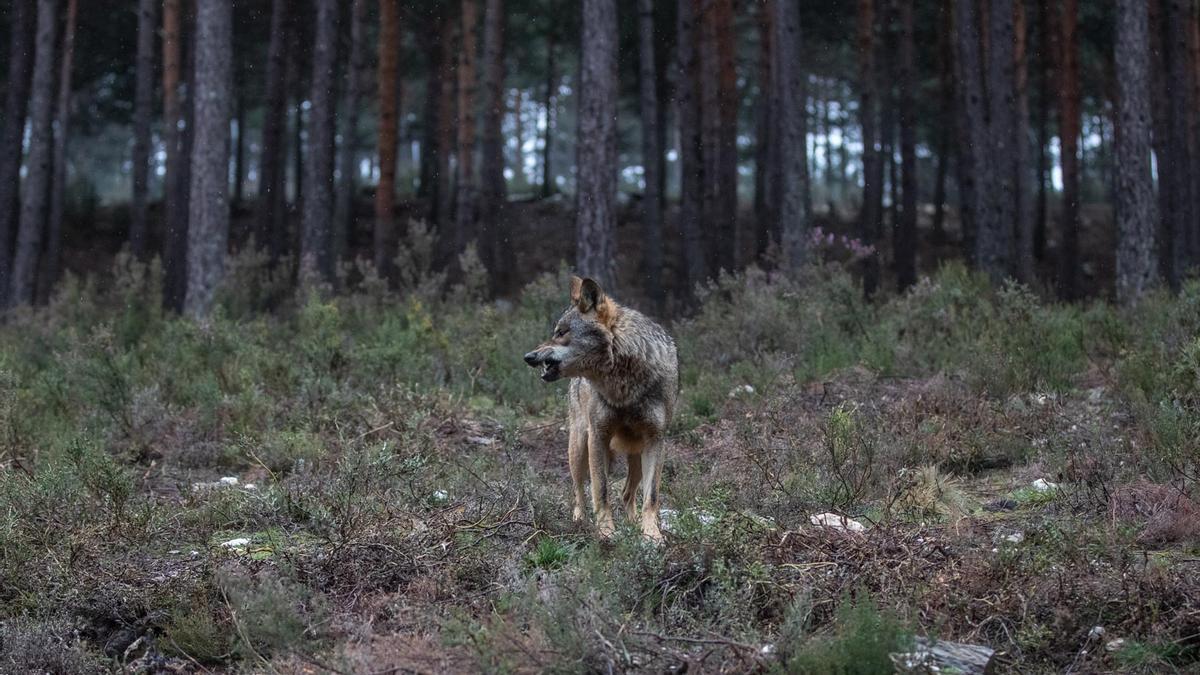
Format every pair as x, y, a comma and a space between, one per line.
373, 482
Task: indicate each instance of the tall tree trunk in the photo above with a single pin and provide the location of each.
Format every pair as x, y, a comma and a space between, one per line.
1024, 264
51, 263
765, 151
465, 186
691, 168
32, 224
16, 102
429, 41
316, 240
494, 237
595, 211
1177, 168
946, 121
718, 119
385, 191
652, 160
271, 225
174, 243
1069, 121
727, 177
793, 177
905, 251
994, 237
871, 214
208, 197
143, 111
1045, 107
1134, 194
447, 120
975, 170
343, 218
548, 104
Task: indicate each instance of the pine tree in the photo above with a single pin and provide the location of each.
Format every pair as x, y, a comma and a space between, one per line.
595, 211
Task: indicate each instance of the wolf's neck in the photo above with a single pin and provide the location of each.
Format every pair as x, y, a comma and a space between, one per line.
627, 375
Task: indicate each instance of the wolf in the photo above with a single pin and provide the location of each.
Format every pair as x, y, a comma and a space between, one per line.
624, 373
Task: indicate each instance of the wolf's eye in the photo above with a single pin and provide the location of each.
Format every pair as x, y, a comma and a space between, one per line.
560, 332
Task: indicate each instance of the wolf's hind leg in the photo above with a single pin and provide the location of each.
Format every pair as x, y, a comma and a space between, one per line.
652, 464
577, 455
598, 463
629, 494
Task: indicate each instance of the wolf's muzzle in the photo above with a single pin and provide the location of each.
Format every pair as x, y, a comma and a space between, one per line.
546, 360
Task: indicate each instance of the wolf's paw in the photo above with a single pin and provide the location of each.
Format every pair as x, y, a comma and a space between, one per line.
578, 514
652, 534
605, 528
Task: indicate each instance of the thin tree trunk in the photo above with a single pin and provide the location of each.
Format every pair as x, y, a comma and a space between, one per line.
1069, 121
764, 152
34, 192
1134, 194
143, 111
1045, 105
316, 241
447, 120
343, 218
975, 165
1024, 263
270, 230
465, 186
548, 104
595, 212
174, 243
208, 197
493, 234
385, 191
239, 148
51, 263
651, 157
1176, 170
428, 188
691, 178
946, 121
870, 216
727, 99
906, 241
994, 237
16, 103
793, 178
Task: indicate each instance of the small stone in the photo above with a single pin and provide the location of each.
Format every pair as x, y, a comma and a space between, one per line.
1115, 645
741, 390
1043, 485
837, 522
440, 495
229, 480
1096, 632
1015, 538
236, 543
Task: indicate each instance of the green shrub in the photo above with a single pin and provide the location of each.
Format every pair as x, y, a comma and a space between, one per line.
860, 642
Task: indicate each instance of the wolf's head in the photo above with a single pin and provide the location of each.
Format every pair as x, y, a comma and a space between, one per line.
582, 340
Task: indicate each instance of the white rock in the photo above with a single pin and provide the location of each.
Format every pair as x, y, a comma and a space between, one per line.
229, 480
1015, 538
1096, 632
1115, 645
1043, 485
440, 495
236, 543
250, 486
741, 390
767, 649
836, 522
481, 440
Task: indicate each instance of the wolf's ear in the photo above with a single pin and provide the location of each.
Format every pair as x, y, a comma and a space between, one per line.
586, 294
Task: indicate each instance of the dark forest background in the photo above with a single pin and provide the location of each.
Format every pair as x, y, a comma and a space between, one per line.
654, 143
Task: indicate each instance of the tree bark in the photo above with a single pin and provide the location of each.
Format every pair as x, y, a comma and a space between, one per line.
270, 229
493, 234
946, 122
765, 151
143, 111
34, 189
1045, 105
727, 99
1069, 121
905, 250
652, 159
1176, 170
1024, 261
16, 102
385, 191
343, 211
51, 263
1136, 210
691, 168
871, 214
208, 197
994, 236
174, 243
316, 240
975, 170
427, 189
548, 104
793, 165
595, 212
239, 147
447, 121
465, 185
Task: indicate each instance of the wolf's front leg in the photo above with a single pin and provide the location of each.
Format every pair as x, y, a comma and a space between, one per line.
598, 463
653, 457
577, 455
